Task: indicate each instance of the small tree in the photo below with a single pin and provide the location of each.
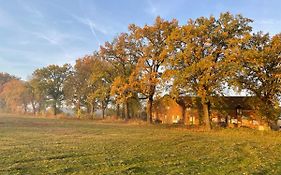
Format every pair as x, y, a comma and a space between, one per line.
50, 82
16, 95
76, 86
4, 78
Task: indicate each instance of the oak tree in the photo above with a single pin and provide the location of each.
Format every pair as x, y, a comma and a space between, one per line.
153, 48
202, 58
260, 72
123, 55
50, 82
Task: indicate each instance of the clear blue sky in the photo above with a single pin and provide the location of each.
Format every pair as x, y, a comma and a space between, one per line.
35, 33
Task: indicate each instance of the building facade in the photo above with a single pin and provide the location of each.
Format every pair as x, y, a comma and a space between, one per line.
227, 111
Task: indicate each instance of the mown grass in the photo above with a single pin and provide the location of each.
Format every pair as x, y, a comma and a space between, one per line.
58, 146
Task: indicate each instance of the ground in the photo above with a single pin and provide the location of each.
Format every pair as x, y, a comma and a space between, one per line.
58, 146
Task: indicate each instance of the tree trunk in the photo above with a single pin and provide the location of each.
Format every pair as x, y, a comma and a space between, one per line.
40, 106
183, 114
123, 111
206, 116
132, 115
55, 108
78, 108
25, 108
103, 109
118, 110
33, 107
149, 109
226, 121
126, 111
103, 113
92, 110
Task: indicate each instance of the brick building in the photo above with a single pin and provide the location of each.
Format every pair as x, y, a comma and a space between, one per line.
228, 111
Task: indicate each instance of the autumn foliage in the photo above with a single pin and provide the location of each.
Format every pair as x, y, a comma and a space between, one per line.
200, 58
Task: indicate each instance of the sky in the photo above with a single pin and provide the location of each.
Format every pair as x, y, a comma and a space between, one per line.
36, 33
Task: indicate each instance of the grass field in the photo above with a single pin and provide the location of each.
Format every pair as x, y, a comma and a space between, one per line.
58, 146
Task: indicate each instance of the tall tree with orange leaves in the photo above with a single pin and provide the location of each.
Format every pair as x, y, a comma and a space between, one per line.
204, 56
123, 55
260, 72
153, 48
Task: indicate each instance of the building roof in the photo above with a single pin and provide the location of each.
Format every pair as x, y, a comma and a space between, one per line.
222, 102
232, 102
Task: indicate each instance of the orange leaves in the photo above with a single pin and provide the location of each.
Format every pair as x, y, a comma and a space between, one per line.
155, 52
197, 58
121, 89
260, 70
16, 95
204, 51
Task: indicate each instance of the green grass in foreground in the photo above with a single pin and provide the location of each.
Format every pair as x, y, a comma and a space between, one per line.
56, 146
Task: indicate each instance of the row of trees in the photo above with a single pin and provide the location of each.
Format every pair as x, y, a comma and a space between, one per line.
200, 58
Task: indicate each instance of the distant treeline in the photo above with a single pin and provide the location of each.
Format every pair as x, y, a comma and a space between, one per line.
201, 58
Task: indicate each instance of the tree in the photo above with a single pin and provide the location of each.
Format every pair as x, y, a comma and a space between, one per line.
76, 86
203, 56
16, 95
260, 72
35, 99
101, 80
153, 47
123, 55
4, 78
39, 95
50, 81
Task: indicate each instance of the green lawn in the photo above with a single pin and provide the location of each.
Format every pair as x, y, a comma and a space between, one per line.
56, 146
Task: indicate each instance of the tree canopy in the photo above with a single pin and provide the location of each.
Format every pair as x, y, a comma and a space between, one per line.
50, 81
200, 58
